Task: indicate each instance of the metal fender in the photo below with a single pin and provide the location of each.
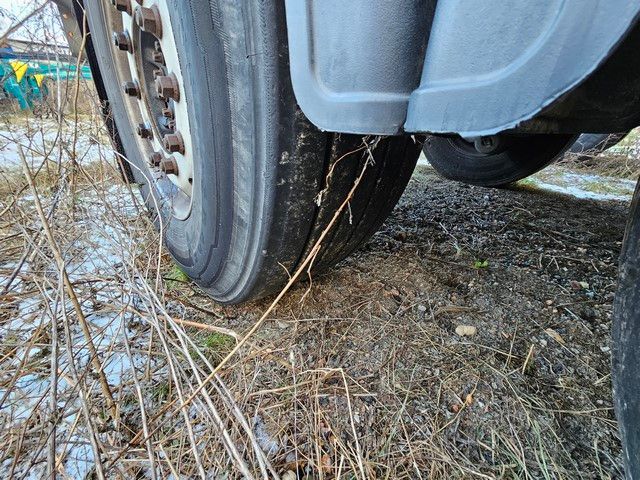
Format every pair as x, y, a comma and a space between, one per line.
474, 67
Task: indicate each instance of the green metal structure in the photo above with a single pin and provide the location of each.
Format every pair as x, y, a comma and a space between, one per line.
23, 77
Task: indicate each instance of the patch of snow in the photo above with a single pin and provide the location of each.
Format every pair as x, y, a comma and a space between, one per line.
40, 136
79, 459
577, 192
582, 185
267, 442
103, 245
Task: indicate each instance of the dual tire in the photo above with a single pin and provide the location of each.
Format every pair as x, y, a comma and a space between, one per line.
626, 343
518, 157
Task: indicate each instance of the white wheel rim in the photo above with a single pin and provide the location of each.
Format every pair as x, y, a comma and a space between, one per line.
131, 66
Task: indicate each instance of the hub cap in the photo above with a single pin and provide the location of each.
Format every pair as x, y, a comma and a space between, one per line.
146, 60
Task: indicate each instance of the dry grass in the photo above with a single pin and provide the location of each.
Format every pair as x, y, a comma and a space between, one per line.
622, 161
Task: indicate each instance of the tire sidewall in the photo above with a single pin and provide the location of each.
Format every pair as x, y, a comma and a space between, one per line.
626, 342
200, 243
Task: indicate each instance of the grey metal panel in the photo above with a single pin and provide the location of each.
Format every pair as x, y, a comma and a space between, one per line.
492, 64
70, 25
354, 63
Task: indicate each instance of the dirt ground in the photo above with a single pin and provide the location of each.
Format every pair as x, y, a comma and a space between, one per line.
527, 396
469, 338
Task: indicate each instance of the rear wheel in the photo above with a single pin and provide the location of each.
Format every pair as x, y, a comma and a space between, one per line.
626, 342
203, 103
493, 161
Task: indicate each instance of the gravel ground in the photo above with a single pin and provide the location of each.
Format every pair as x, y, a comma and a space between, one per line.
474, 329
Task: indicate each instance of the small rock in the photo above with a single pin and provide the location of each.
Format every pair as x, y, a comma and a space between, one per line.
466, 330
422, 308
394, 293
289, 475
579, 285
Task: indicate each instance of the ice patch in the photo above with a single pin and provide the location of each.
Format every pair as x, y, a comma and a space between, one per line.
582, 185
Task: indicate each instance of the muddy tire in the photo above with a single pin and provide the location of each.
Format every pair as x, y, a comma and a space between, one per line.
516, 158
626, 342
247, 213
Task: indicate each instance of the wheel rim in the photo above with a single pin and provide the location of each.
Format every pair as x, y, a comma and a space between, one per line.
146, 62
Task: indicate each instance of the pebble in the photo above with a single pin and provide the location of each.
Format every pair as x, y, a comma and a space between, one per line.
466, 330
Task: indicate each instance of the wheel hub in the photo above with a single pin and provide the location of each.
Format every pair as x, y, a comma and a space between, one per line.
488, 144
148, 66
480, 146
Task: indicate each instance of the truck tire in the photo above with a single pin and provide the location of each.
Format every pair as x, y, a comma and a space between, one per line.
512, 159
236, 193
626, 342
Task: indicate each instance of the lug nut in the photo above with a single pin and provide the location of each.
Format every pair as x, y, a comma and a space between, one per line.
171, 124
122, 5
169, 166
143, 131
156, 46
167, 112
167, 87
155, 158
122, 41
148, 19
173, 142
158, 57
131, 89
